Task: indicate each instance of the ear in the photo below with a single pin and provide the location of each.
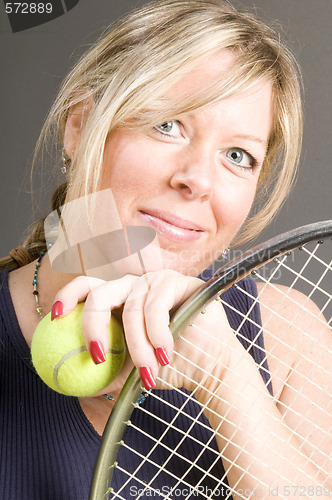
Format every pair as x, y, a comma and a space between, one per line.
77, 118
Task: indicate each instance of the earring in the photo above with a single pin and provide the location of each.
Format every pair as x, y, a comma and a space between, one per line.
225, 254
66, 161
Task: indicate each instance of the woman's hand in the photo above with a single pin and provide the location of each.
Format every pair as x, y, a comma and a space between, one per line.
146, 302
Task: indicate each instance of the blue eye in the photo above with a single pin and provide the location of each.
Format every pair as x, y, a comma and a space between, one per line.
171, 128
241, 158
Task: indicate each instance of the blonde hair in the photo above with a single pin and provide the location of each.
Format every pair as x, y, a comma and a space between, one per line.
125, 74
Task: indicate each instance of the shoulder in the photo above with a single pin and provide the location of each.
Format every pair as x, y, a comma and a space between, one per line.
298, 343
295, 331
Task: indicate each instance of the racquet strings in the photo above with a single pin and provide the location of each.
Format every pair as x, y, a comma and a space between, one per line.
308, 271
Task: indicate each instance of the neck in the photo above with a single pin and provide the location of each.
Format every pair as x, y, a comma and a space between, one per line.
21, 289
49, 283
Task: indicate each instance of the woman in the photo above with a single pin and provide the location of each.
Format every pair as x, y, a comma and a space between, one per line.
173, 121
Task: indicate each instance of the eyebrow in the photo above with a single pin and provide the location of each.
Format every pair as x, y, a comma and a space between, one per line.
251, 138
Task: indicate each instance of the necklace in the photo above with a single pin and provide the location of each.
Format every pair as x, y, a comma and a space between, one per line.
109, 397
141, 398
35, 292
35, 286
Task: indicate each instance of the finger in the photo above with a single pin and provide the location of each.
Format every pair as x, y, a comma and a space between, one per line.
163, 297
139, 346
157, 305
146, 318
97, 314
75, 291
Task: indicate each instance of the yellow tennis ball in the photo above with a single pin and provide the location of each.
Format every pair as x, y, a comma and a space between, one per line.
63, 362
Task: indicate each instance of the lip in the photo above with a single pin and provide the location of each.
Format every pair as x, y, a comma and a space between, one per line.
173, 227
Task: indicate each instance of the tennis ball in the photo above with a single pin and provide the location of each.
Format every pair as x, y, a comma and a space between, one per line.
63, 362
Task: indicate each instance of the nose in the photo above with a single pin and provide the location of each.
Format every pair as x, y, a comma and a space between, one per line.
194, 178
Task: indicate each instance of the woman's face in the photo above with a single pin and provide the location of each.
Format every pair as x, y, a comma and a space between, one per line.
193, 180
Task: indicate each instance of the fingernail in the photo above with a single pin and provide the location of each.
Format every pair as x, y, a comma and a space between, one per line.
57, 310
162, 356
147, 377
96, 352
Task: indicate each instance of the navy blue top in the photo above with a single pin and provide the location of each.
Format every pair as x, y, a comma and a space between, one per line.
48, 446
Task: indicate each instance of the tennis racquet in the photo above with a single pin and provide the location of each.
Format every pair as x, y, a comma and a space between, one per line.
262, 432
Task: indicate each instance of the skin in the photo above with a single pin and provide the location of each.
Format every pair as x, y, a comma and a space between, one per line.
192, 179
189, 170
202, 172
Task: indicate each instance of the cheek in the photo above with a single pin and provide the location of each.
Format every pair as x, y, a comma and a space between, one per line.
117, 165
233, 205
127, 165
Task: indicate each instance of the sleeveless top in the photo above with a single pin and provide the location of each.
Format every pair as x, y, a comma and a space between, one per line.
48, 447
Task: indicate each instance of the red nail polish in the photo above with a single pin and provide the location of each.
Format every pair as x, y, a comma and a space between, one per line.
147, 377
97, 353
57, 310
162, 356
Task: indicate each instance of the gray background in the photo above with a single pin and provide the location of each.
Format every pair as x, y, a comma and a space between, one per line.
33, 63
